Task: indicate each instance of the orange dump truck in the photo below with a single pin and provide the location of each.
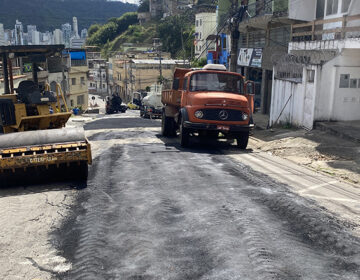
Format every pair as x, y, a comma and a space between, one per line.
206, 102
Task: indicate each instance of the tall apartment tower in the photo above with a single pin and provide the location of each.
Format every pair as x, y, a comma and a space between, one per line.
2, 35
58, 37
19, 33
30, 31
75, 27
66, 30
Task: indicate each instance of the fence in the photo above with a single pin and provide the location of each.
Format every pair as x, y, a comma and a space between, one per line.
315, 30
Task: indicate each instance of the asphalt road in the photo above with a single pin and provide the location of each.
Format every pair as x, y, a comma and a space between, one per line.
153, 210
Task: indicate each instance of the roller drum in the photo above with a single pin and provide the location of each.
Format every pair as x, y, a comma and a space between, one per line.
42, 137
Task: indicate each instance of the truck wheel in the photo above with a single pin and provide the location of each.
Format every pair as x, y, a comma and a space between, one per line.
242, 140
167, 126
184, 136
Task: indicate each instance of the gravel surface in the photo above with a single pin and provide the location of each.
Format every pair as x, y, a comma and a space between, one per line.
153, 210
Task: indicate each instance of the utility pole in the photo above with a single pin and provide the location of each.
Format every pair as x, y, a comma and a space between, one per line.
157, 47
235, 34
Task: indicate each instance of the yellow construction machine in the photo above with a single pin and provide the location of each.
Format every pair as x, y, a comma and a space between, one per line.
35, 146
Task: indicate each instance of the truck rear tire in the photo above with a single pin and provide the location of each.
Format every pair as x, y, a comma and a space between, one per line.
184, 136
167, 126
242, 140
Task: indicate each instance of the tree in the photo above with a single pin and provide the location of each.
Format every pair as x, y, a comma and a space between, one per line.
144, 6
110, 30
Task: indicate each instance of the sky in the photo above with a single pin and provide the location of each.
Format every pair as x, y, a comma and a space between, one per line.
129, 1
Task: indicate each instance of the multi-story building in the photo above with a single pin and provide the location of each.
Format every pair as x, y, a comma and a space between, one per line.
77, 43
66, 30
19, 33
205, 25
135, 75
77, 95
164, 8
319, 79
98, 74
2, 35
58, 37
35, 38
84, 33
30, 30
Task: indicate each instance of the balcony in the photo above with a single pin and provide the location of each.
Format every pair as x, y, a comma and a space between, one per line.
335, 33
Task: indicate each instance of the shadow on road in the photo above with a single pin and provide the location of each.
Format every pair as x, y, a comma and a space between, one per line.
204, 145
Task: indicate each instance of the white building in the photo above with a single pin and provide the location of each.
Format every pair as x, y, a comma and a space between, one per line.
77, 43
84, 33
35, 38
2, 35
326, 53
58, 37
75, 28
30, 31
66, 30
19, 33
205, 25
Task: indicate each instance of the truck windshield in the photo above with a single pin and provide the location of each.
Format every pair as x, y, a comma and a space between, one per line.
216, 82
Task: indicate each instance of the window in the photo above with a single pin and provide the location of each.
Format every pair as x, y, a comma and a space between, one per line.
185, 84
200, 22
73, 81
197, 23
358, 83
217, 82
345, 6
82, 80
344, 81
332, 7
72, 103
353, 83
310, 76
80, 100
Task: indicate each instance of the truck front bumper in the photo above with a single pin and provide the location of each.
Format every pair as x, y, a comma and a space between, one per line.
218, 127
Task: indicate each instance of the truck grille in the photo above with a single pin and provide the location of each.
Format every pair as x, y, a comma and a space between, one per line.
222, 115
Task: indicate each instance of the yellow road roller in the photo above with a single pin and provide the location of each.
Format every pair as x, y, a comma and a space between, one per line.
35, 146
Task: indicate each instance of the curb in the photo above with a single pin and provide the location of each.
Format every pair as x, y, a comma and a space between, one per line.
323, 127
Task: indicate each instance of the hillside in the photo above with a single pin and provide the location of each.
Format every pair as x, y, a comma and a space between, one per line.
50, 14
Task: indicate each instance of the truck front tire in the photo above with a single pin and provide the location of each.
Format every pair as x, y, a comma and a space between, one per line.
184, 135
242, 140
167, 126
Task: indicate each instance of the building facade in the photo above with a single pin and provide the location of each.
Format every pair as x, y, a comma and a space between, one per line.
326, 51
205, 25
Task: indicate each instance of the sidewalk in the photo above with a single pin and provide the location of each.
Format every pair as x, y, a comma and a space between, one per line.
333, 150
346, 130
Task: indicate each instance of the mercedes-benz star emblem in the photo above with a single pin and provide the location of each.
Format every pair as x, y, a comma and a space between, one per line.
223, 115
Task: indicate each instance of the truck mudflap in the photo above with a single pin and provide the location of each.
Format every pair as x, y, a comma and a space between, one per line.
44, 155
218, 127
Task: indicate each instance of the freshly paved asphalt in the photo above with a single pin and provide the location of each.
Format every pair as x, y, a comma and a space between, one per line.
153, 210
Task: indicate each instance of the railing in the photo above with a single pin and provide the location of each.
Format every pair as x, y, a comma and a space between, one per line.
314, 30
266, 7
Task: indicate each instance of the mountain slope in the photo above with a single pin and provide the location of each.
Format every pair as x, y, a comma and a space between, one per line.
50, 14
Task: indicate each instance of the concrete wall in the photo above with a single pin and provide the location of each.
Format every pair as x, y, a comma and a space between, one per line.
294, 102
302, 10
335, 103
283, 92
205, 24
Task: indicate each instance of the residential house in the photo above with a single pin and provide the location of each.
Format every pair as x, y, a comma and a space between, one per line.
205, 25
326, 52
78, 70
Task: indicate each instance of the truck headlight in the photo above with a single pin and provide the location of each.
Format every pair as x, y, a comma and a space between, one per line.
199, 114
245, 116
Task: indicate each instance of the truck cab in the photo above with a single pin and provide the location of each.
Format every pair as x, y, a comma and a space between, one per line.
207, 102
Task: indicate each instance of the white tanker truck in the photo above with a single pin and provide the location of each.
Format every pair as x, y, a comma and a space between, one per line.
151, 106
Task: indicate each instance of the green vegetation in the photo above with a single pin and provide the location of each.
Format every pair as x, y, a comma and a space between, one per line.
176, 33
108, 32
48, 15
